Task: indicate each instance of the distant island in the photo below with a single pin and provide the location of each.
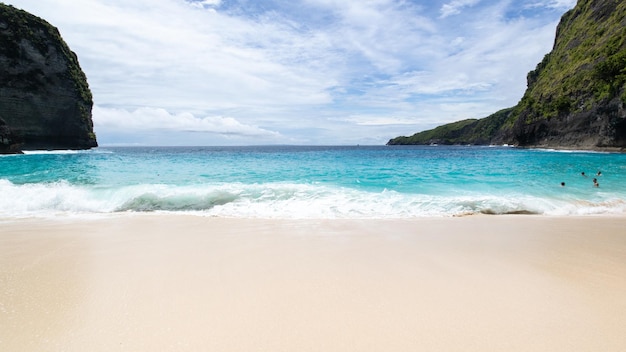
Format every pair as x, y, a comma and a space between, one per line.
576, 96
45, 101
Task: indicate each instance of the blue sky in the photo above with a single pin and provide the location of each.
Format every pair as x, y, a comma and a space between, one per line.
245, 72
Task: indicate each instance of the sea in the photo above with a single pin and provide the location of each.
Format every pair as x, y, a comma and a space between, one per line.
313, 182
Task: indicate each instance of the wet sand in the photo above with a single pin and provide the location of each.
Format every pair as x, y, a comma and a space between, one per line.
148, 282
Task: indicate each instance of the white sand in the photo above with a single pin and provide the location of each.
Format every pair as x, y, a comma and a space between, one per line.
184, 283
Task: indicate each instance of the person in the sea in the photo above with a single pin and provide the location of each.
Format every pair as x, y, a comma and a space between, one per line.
595, 182
599, 173
562, 184
583, 174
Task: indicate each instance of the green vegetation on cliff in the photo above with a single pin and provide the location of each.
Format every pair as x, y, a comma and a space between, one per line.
41, 34
586, 67
470, 131
576, 96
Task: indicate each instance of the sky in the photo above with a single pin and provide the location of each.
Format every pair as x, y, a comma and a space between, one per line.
298, 72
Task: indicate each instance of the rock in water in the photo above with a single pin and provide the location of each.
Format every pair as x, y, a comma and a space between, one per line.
45, 100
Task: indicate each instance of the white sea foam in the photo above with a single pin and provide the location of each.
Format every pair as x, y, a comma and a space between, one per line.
274, 200
42, 152
67, 151
570, 151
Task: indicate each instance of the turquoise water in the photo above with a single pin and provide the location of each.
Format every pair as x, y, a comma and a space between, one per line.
313, 182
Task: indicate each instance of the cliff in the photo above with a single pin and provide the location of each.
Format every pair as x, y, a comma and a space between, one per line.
575, 98
45, 101
10, 143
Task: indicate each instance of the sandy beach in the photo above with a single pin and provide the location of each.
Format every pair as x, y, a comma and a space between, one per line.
154, 282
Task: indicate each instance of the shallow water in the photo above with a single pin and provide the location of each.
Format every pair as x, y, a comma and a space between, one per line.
313, 181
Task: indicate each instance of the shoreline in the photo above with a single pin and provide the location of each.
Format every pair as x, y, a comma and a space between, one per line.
581, 149
184, 282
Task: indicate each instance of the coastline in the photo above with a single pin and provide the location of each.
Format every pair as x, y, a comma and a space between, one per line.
559, 147
178, 282
580, 148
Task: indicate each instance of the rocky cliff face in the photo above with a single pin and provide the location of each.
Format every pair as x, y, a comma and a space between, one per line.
576, 97
45, 100
10, 143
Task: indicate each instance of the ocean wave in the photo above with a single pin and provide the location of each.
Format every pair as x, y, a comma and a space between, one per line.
50, 152
67, 151
177, 202
277, 200
573, 151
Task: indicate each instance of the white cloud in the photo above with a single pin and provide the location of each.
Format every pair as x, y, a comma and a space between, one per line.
376, 33
455, 7
205, 3
553, 4
146, 119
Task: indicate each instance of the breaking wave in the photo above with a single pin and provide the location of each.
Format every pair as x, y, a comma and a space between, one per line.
276, 200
